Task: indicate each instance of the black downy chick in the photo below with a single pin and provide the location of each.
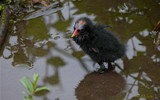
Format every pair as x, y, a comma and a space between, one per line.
100, 44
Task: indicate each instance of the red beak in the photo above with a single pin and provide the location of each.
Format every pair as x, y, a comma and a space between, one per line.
75, 33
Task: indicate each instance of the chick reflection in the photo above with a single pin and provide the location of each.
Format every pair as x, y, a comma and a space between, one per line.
100, 87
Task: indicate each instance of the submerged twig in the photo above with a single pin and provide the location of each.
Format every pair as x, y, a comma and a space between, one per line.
52, 8
157, 26
158, 34
158, 41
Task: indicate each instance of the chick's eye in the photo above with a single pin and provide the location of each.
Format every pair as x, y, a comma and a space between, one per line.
75, 26
81, 27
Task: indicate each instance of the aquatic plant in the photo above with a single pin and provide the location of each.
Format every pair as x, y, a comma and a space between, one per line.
31, 86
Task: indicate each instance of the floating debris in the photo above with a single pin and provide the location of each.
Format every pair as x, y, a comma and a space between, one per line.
52, 8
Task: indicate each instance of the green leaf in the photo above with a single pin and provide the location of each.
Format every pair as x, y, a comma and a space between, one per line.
30, 97
27, 78
0, 7
25, 98
42, 88
26, 84
9, 1
35, 79
24, 92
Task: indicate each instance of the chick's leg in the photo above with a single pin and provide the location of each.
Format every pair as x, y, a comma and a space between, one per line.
110, 66
102, 68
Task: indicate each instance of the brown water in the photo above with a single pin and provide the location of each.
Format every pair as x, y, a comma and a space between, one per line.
43, 45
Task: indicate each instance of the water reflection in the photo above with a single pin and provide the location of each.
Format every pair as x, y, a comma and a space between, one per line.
100, 87
44, 45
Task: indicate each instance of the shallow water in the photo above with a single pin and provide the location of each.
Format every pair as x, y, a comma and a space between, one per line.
43, 45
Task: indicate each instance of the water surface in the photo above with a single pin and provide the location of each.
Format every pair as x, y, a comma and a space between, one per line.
43, 45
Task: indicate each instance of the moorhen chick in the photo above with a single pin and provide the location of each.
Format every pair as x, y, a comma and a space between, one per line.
96, 41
